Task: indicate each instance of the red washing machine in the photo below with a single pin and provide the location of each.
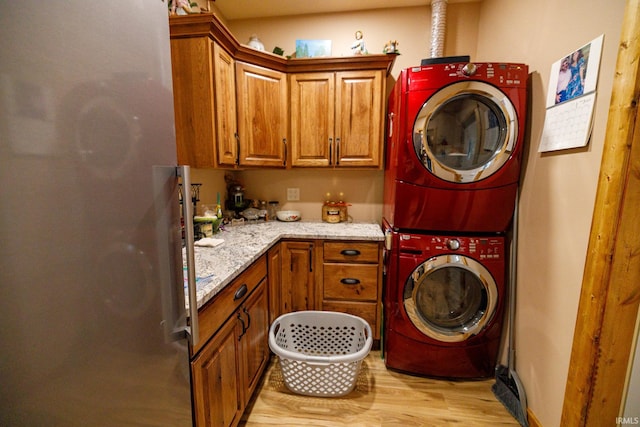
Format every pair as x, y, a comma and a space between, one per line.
454, 146
444, 304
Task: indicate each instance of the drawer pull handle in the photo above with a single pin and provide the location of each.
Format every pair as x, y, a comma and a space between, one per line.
349, 281
240, 292
350, 252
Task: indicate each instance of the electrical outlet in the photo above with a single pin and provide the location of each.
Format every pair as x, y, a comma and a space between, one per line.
293, 194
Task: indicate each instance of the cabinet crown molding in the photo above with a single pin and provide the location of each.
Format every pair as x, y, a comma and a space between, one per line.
209, 25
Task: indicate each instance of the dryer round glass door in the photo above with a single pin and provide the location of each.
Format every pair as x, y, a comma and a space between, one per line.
450, 298
465, 132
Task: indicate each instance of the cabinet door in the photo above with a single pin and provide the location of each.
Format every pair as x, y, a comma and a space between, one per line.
312, 118
254, 348
274, 260
225, 103
359, 109
262, 115
215, 372
298, 282
192, 70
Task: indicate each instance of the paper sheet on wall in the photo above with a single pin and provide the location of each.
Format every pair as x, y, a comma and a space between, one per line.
568, 125
571, 98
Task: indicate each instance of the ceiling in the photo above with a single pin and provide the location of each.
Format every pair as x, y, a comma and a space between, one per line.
246, 9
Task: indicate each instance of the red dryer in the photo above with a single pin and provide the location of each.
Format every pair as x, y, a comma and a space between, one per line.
444, 304
454, 146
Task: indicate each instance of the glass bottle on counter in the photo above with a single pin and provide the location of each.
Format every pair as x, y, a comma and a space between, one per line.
272, 209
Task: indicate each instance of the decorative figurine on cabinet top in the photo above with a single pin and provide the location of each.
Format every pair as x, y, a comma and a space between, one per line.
391, 47
255, 42
358, 47
181, 7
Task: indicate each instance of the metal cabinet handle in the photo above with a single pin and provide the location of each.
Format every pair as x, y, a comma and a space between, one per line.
330, 150
187, 212
337, 151
284, 141
244, 309
237, 148
240, 292
349, 281
244, 329
350, 252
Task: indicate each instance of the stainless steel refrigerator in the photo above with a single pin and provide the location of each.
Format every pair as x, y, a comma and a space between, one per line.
93, 325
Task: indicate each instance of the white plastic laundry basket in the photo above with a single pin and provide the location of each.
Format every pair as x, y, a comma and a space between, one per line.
320, 352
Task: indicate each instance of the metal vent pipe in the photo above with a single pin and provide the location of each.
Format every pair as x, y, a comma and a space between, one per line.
438, 27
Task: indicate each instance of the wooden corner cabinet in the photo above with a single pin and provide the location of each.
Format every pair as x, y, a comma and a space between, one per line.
239, 107
316, 274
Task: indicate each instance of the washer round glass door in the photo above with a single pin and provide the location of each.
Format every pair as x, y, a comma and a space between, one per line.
465, 132
450, 297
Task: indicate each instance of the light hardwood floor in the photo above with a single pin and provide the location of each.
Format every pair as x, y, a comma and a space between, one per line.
381, 398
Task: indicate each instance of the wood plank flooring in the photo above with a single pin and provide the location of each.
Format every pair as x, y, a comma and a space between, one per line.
381, 398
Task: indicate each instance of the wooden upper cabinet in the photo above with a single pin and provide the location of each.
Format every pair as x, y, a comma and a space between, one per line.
191, 62
262, 103
312, 119
359, 118
204, 102
337, 118
232, 103
225, 106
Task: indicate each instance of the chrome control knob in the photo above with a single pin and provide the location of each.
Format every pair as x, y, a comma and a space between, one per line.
453, 244
469, 69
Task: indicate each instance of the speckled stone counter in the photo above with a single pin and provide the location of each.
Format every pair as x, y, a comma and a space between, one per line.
216, 267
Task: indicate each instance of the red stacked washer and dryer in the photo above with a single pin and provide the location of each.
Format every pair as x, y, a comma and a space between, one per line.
454, 149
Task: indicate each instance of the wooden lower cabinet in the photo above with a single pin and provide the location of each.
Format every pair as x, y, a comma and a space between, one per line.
226, 370
274, 269
299, 274
293, 275
215, 373
254, 347
352, 280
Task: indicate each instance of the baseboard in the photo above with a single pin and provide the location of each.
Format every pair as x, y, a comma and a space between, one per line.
533, 420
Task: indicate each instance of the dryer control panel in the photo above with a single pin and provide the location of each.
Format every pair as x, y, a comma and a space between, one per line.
489, 248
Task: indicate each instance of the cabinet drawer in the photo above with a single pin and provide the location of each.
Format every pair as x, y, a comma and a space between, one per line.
355, 282
351, 251
213, 314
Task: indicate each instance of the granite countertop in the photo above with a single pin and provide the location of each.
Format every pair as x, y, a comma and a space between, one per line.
218, 266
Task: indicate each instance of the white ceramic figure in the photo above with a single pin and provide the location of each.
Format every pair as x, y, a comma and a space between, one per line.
358, 47
255, 43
